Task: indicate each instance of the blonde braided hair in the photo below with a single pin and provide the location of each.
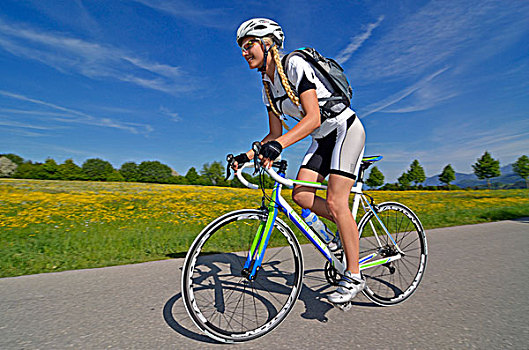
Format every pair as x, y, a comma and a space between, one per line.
284, 81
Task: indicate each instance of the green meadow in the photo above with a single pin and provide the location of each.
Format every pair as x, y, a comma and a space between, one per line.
50, 226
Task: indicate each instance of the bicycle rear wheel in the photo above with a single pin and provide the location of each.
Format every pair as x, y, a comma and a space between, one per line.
393, 282
220, 300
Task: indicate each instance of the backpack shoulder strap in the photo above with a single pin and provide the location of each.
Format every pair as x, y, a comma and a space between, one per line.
301, 53
306, 53
284, 63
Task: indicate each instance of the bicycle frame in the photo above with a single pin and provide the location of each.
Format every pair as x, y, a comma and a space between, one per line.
260, 242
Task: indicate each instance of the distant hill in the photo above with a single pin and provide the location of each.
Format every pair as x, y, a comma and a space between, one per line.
471, 180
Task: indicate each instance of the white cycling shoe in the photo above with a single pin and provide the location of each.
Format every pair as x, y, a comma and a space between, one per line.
348, 288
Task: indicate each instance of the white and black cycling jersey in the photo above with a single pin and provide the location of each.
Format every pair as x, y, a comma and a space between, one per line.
338, 143
302, 77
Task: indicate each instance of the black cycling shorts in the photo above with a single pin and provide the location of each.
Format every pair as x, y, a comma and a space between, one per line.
339, 152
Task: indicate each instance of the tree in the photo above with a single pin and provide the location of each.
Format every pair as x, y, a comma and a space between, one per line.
214, 173
130, 172
376, 178
27, 170
97, 169
70, 171
404, 180
18, 160
7, 167
154, 171
486, 168
179, 180
192, 176
521, 167
115, 176
416, 172
448, 175
50, 169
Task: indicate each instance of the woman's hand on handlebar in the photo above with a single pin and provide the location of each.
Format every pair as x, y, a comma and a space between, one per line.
241, 159
269, 152
265, 162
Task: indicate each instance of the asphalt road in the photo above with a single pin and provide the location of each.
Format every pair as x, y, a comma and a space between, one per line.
474, 295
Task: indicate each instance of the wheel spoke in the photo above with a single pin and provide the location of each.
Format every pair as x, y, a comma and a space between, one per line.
386, 284
410, 243
225, 302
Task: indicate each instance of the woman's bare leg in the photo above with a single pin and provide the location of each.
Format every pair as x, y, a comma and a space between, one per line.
338, 193
335, 208
306, 197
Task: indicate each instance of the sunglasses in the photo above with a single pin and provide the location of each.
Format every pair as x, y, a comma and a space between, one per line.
249, 45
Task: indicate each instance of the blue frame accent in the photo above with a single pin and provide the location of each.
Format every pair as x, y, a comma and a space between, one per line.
273, 208
270, 225
298, 225
320, 249
251, 255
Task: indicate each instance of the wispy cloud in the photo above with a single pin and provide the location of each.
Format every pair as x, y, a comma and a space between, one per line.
462, 143
72, 14
441, 33
507, 137
357, 41
30, 112
173, 115
42, 103
5, 122
457, 144
68, 115
424, 101
190, 12
93, 60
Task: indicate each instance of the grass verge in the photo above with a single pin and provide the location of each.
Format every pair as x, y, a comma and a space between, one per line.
58, 225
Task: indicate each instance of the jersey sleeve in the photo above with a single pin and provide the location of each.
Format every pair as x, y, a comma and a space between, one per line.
301, 74
265, 99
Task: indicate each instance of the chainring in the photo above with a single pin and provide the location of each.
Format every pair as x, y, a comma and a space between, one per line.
331, 275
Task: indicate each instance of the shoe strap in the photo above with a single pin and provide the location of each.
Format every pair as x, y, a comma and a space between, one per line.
351, 280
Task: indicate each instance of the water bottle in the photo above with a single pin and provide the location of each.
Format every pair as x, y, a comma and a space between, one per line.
317, 225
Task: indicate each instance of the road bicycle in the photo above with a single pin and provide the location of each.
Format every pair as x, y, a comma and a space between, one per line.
244, 271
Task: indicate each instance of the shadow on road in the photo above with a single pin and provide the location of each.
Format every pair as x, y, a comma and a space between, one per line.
523, 220
313, 295
173, 311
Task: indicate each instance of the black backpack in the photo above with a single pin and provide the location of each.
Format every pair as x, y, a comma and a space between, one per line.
331, 71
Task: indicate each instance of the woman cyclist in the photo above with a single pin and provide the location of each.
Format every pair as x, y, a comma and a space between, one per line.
337, 136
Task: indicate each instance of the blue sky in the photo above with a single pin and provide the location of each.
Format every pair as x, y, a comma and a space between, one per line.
135, 80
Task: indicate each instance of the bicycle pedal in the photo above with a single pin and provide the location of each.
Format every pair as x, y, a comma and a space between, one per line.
344, 306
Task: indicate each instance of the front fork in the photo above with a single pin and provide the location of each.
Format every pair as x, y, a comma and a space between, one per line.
260, 241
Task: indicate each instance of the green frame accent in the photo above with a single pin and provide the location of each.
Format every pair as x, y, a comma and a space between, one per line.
257, 238
264, 235
306, 182
380, 262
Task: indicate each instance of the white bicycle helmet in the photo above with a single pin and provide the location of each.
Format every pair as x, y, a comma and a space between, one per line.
261, 27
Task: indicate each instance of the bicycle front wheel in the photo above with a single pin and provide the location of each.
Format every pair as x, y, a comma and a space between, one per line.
224, 303
394, 282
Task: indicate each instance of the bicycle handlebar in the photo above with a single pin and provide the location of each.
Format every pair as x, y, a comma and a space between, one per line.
256, 146
274, 175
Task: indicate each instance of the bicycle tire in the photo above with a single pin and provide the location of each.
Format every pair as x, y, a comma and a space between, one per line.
221, 302
394, 282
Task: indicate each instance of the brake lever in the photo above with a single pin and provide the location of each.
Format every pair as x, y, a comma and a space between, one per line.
229, 159
256, 147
